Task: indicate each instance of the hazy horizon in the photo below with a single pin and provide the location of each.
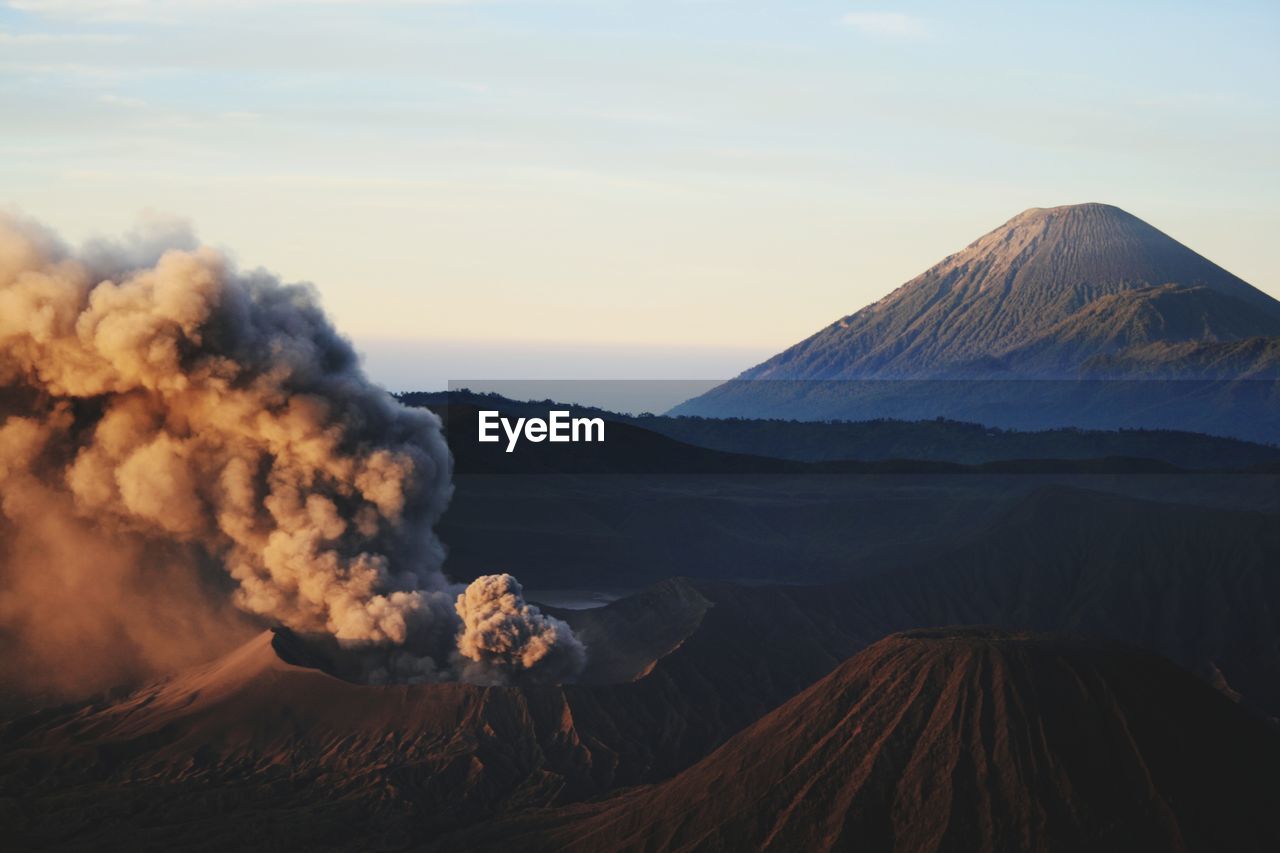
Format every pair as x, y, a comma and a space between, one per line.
586, 189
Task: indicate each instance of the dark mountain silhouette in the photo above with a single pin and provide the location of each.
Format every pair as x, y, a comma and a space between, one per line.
1057, 294
631, 449
746, 440
801, 524
961, 739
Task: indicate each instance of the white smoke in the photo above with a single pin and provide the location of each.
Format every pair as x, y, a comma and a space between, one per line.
160, 405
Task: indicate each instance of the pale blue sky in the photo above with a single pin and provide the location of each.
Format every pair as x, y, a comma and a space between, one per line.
654, 188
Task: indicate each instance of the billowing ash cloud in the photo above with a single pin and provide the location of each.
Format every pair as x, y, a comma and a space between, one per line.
505, 635
164, 417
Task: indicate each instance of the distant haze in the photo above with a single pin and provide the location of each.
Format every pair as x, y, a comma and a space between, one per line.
434, 365
673, 175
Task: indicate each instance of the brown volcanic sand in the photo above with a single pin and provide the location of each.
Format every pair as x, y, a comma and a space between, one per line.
251, 752
961, 739
262, 750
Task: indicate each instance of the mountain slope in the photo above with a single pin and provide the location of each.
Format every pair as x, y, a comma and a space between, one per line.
962, 739
1028, 284
196, 762
1163, 316
1251, 358
1057, 295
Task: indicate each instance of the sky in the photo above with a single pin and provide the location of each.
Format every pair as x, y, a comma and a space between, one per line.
616, 189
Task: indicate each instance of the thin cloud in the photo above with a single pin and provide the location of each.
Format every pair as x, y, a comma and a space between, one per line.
886, 24
166, 11
122, 101
17, 39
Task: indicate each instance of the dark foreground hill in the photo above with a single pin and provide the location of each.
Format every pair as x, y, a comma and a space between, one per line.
259, 751
960, 739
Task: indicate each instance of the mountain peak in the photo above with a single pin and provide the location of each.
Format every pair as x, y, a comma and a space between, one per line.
1030, 283
1070, 292
1089, 220
1088, 208
1085, 207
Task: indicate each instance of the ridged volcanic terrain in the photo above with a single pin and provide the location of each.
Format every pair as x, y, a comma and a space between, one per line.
257, 750
960, 739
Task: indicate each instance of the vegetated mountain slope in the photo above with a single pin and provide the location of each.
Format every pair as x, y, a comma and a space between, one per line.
958, 441
1167, 315
1035, 289
631, 446
625, 449
962, 739
1256, 359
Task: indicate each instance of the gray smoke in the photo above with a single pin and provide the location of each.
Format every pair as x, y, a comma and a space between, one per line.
162, 415
503, 635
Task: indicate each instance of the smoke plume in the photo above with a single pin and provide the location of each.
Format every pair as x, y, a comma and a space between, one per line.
503, 634
174, 436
